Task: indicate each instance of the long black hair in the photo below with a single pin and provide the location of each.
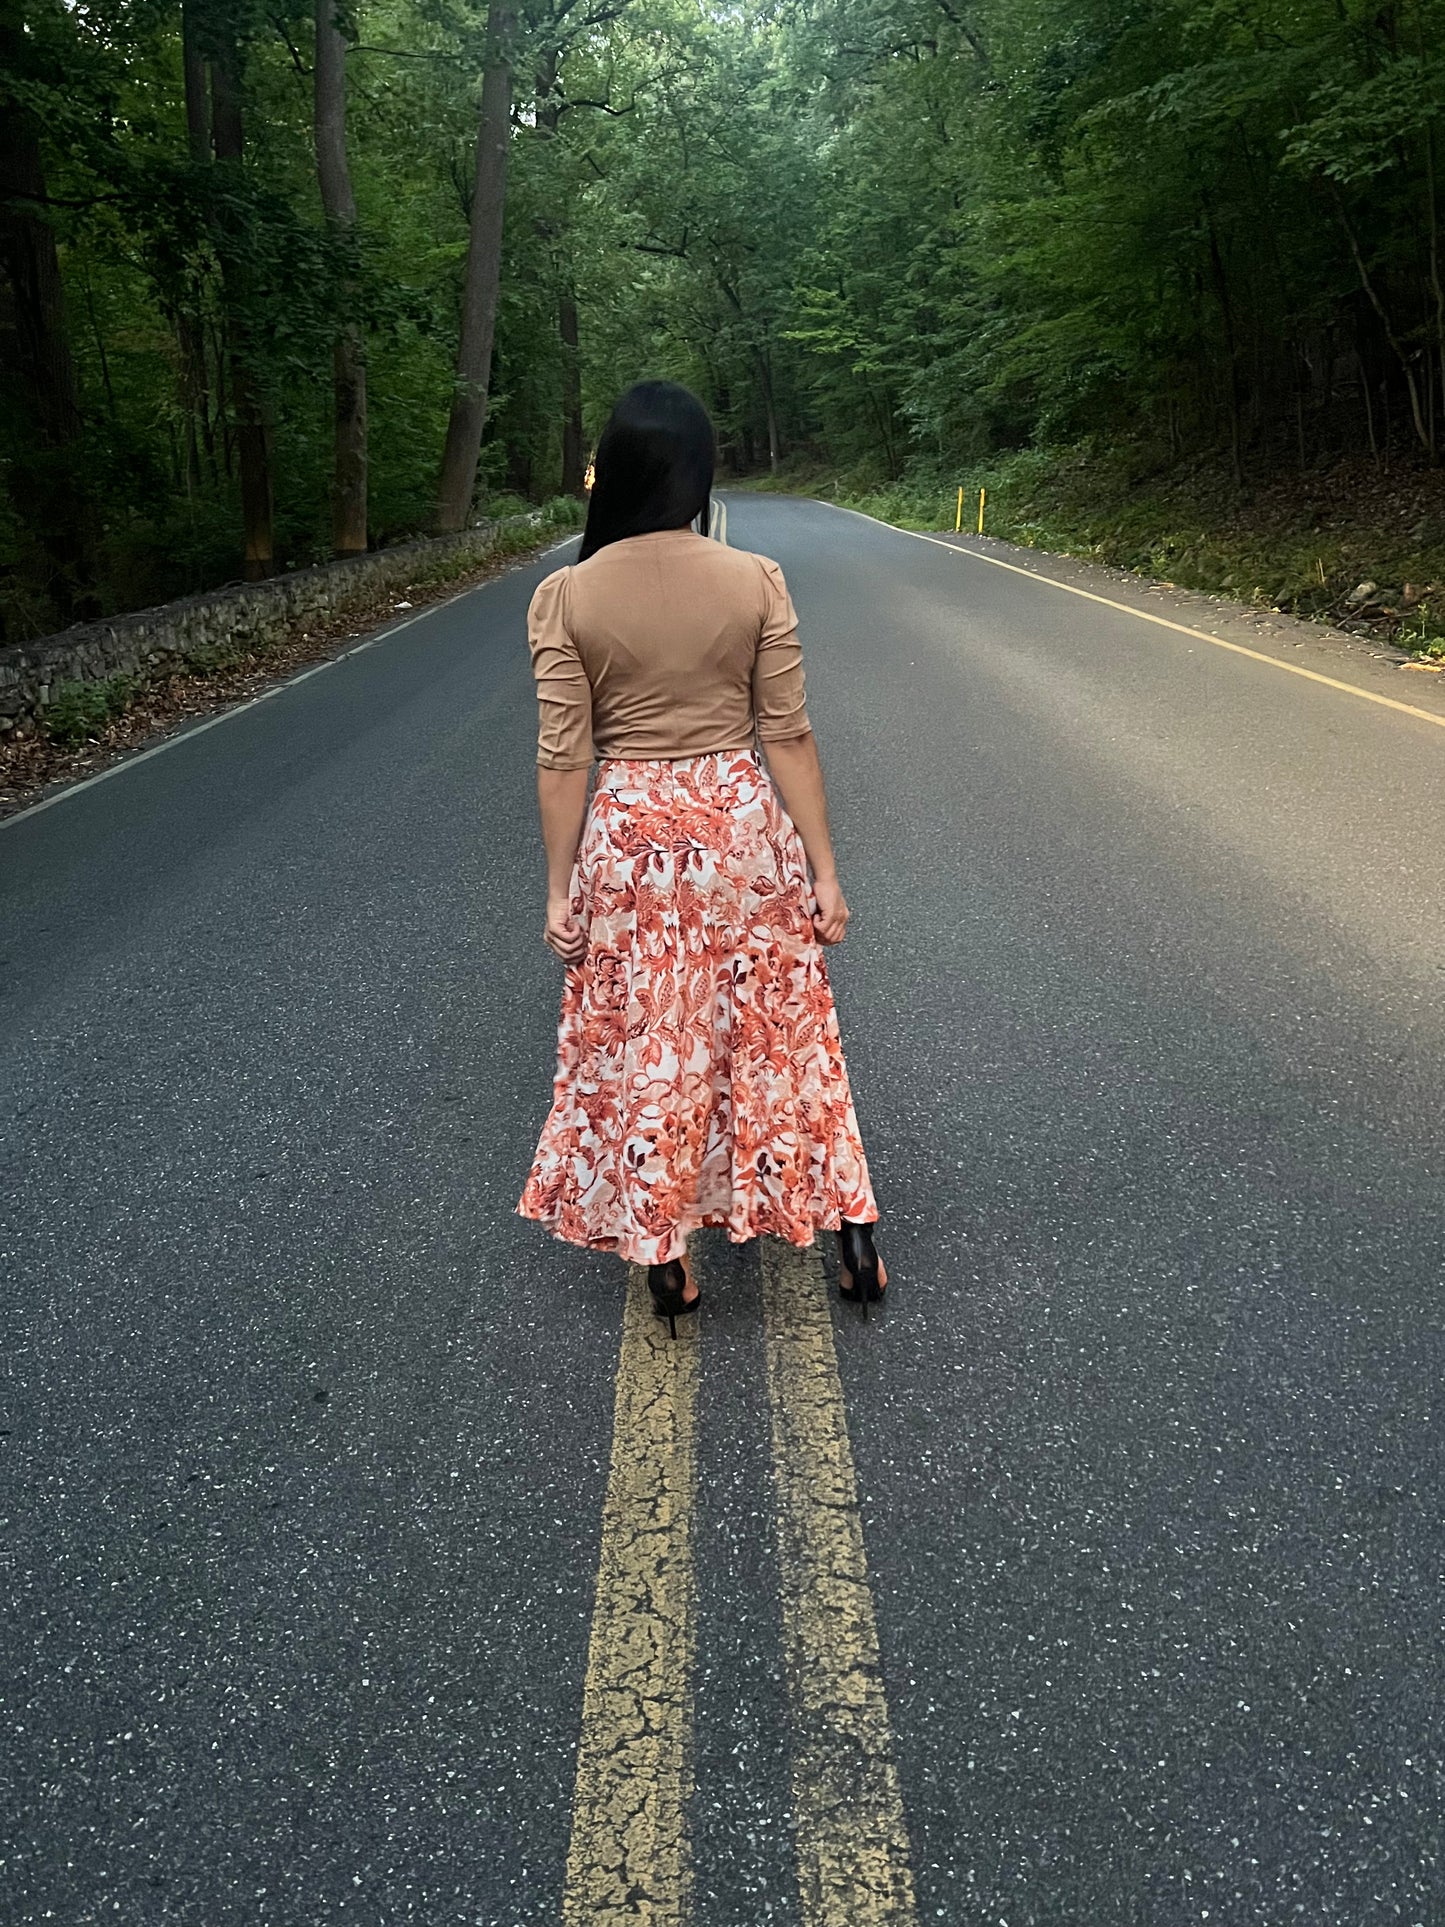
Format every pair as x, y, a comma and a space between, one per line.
654, 466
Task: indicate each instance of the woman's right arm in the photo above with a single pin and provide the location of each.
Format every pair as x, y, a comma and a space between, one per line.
796, 769
779, 704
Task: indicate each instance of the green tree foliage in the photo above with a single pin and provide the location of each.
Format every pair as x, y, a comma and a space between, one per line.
1217, 222
897, 235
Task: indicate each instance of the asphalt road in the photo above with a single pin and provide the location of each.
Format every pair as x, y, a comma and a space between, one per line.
305, 1438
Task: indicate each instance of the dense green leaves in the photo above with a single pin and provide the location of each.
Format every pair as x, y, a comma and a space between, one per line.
895, 235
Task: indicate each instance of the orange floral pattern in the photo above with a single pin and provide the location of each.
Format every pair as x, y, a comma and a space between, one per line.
700, 1076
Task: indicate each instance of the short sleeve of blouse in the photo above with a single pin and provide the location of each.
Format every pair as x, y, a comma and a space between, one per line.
564, 694
778, 685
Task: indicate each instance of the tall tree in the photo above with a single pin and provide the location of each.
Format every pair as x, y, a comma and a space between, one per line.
253, 428
482, 280
190, 330
348, 489
47, 476
574, 454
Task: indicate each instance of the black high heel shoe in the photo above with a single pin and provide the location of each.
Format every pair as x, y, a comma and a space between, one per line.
860, 1283
667, 1284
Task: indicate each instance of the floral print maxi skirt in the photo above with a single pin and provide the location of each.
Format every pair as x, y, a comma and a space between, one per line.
700, 1078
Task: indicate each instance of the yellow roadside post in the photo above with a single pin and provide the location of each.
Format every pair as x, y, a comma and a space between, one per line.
958, 519
981, 495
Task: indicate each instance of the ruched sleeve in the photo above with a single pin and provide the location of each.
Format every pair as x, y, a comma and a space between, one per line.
564, 695
778, 697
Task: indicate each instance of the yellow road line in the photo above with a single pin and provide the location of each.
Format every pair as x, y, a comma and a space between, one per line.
629, 1858
852, 1841
1160, 622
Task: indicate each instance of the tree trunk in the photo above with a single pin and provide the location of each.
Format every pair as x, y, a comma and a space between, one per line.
253, 435
198, 104
47, 479
763, 362
573, 445
1231, 343
730, 442
1437, 286
573, 455
483, 278
190, 329
32, 267
1432, 211
770, 407
1365, 385
519, 469
348, 358
1399, 348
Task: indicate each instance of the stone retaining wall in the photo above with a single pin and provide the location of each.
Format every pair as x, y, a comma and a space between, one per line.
152, 642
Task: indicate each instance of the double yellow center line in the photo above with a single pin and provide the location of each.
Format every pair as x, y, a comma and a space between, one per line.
852, 1842
629, 1858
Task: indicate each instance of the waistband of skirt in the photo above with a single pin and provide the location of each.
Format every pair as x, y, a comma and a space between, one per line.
708, 764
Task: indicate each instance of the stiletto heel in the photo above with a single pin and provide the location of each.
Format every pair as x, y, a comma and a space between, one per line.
667, 1283
860, 1280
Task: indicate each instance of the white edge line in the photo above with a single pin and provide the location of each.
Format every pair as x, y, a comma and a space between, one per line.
276, 689
1146, 615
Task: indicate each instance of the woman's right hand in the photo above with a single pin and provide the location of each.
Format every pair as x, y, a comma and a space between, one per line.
563, 934
830, 919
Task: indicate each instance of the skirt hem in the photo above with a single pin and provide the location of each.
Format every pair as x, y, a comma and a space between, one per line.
640, 1250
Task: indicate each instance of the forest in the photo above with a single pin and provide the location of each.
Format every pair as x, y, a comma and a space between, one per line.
280, 282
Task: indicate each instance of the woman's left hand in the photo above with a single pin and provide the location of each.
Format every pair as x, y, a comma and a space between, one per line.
563, 934
830, 919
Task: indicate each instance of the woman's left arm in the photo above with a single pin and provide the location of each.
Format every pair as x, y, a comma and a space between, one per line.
562, 795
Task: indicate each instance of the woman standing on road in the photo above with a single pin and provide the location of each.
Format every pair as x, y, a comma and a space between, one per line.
700, 1078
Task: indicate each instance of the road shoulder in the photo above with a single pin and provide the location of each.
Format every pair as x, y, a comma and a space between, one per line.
38, 772
1375, 668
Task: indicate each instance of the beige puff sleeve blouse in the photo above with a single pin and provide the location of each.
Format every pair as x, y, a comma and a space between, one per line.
664, 645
